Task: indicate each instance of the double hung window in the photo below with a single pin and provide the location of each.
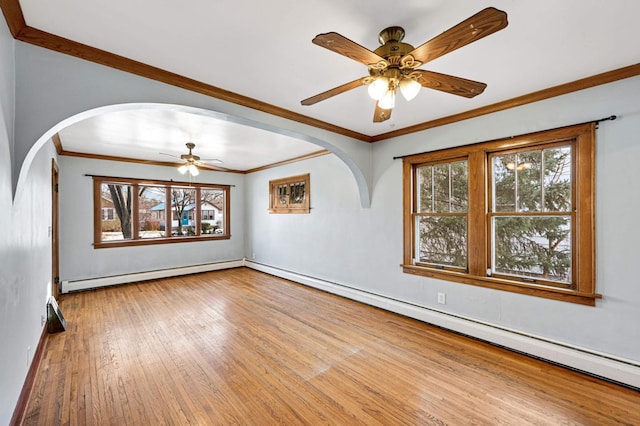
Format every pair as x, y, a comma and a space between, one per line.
514, 214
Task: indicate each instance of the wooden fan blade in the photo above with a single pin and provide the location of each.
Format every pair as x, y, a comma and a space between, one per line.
450, 84
482, 24
170, 155
342, 45
381, 114
332, 92
212, 167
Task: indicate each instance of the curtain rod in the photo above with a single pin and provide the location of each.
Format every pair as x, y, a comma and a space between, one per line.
611, 117
158, 180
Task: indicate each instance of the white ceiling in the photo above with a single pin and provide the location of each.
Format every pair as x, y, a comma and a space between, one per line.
152, 132
263, 50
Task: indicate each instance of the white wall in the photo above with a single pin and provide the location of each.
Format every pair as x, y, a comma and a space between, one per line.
7, 82
362, 248
78, 258
25, 248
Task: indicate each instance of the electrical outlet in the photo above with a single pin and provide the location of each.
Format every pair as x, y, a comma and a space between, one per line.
28, 355
42, 320
442, 298
253, 256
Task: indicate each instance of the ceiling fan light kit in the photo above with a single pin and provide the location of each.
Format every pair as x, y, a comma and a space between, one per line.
388, 101
394, 65
191, 168
378, 88
409, 88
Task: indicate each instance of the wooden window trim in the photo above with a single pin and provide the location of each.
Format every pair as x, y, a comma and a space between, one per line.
478, 239
167, 239
289, 208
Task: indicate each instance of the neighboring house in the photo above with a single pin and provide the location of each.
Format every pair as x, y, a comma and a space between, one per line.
209, 213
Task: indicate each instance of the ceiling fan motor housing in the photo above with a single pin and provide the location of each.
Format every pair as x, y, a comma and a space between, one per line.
392, 50
190, 157
390, 38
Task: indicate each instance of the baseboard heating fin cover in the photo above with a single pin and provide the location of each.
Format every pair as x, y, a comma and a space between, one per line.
69, 286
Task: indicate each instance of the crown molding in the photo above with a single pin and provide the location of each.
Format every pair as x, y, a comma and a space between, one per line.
58, 144
562, 89
59, 44
139, 161
13, 15
15, 20
289, 161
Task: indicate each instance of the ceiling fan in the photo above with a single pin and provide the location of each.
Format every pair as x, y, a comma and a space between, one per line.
394, 65
192, 161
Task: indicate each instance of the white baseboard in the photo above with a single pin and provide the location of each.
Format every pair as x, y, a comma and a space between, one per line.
68, 286
591, 362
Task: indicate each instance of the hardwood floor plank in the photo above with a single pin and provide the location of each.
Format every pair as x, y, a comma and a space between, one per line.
242, 347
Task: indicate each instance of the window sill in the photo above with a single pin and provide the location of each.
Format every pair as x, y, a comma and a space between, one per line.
289, 211
570, 296
153, 241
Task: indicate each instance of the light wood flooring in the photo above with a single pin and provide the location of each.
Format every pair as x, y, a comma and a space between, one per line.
239, 347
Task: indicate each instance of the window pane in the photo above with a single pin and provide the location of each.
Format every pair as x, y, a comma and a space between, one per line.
442, 240
151, 211
296, 193
504, 178
540, 180
459, 187
425, 189
557, 179
183, 203
116, 206
529, 189
283, 194
443, 188
211, 210
534, 247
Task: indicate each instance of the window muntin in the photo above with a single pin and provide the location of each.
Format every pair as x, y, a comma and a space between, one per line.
441, 216
143, 207
541, 183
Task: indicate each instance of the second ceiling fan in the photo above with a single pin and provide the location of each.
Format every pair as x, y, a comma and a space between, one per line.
191, 162
393, 65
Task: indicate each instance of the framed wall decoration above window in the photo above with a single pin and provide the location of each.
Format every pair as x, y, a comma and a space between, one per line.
289, 195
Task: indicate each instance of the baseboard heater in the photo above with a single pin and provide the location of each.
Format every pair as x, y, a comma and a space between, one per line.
608, 367
86, 284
